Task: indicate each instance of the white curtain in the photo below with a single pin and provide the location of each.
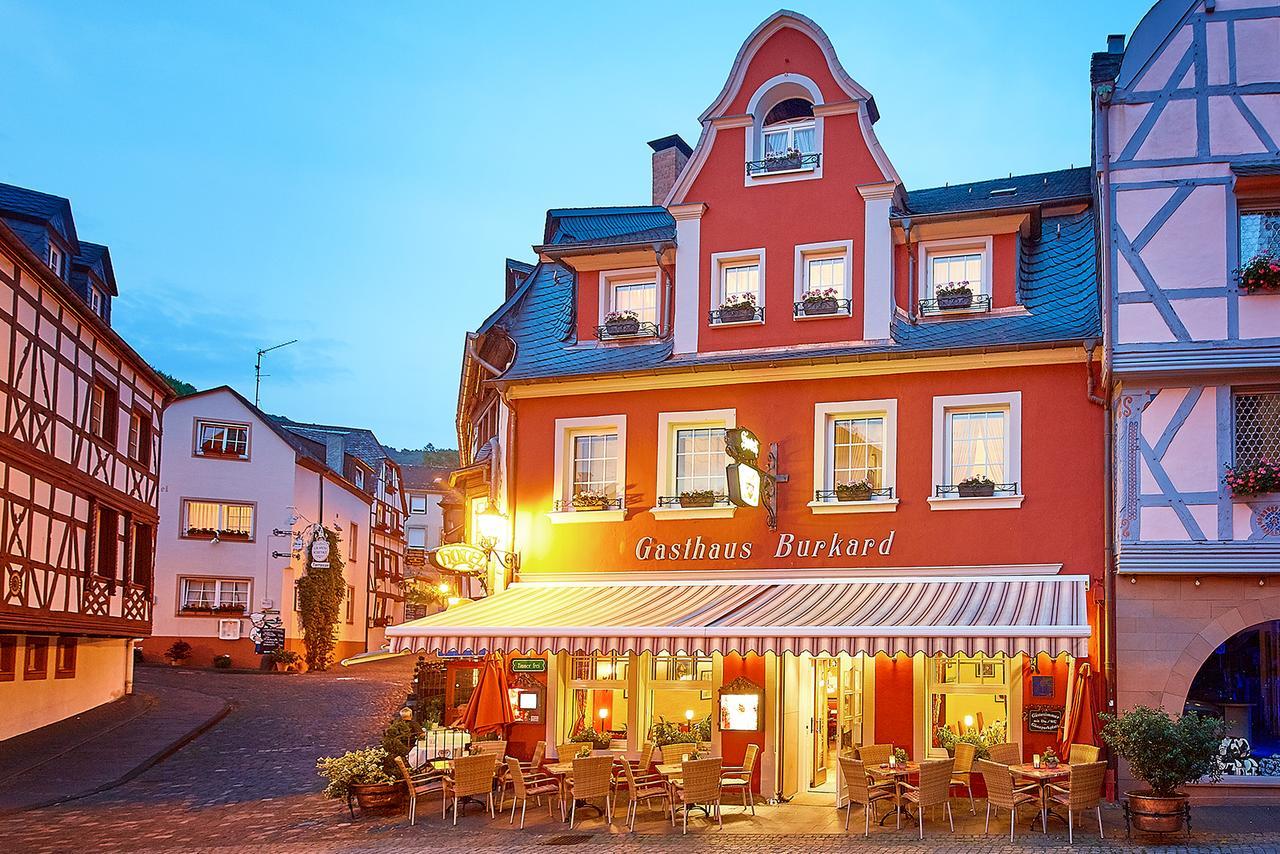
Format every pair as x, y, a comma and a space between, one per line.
804, 139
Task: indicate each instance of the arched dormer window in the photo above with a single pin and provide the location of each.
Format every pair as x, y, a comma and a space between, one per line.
786, 135
789, 129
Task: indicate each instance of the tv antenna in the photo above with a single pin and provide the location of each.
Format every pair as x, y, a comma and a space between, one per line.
257, 369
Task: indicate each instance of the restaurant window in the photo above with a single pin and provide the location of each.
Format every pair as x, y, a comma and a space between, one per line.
142, 556
35, 663
977, 450
64, 662
8, 657
1257, 427
595, 464
417, 537
967, 695
207, 593
221, 439
107, 553
680, 690
417, 504
599, 686
221, 519
140, 438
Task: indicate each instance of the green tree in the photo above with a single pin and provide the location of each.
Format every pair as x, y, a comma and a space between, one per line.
182, 389
320, 593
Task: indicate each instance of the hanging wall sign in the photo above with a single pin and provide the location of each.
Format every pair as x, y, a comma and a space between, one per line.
320, 551
744, 484
742, 445
460, 557
528, 665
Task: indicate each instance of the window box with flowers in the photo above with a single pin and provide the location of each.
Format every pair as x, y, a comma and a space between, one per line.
1261, 478
739, 308
954, 295
588, 500
622, 323
1261, 275
698, 498
777, 161
857, 490
820, 301
978, 486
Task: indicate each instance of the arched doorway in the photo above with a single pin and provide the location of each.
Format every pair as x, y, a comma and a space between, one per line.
1240, 682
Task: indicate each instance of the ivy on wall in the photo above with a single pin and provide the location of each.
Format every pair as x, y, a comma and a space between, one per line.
320, 593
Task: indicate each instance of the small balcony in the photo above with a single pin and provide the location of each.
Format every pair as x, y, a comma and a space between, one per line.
959, 304
792, 161
626, 329
690, 501
827, 496
579, 506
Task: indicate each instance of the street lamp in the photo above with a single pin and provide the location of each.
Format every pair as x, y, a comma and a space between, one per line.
492, 527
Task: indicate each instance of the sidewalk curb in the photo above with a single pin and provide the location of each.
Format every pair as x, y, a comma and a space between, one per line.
148, 763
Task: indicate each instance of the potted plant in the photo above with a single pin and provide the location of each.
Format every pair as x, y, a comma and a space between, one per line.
587, 735
178, 652
624, 322
789, 158
977, 486
821, 301
361, 774
1165, 753
1049, 758
698, 498
1261, 275
585, 499
854, 490
196, 608
222, 662
284, 660
954, 295
1258, 479
738, 308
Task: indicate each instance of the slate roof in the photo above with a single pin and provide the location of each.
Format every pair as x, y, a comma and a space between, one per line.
425, 477
357, 441
1104, 66
581, 227
30, 213
1016, 191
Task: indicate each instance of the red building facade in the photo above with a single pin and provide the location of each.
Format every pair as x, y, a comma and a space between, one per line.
919, 368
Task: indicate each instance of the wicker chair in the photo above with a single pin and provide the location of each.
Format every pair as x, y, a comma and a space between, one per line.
934, 790
739, 777
962, 775
423, 783
644, 786
1006, 754
673, 754
533, 766
647, 751
1001, 793
1082, 792
1083, 754
472, 776
875, 754
592, 778
699, 783
497, 748
859, 791
526, 785
567, 752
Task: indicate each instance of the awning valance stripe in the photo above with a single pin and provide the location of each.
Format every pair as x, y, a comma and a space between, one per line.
966, 614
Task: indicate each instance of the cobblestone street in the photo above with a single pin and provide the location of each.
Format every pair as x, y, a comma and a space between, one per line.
249, 783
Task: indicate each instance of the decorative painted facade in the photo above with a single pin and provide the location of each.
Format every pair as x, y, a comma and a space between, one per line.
79, 463
1188, 168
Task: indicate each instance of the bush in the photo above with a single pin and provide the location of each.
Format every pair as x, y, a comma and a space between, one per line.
222, 662
180, 651
284, 657
1164, 752
598, 740
355, 767
981, 739
398, 739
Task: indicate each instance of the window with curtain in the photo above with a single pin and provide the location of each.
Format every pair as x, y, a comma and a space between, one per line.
595, 463
700, 460
216, 438
823, 272
738, 280
857, 450
977, 444
205, 518
598, 694
953, 269
640, 297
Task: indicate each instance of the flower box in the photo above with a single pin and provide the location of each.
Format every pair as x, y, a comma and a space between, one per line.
827, 305
853, 491
702, 498
780, 162
1261, 478
197, 609
737, 314
623, 327
954, 295
590, 501
230, 609
1261, 275
978, 487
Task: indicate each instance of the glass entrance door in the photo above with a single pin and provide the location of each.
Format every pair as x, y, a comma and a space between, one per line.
826, 720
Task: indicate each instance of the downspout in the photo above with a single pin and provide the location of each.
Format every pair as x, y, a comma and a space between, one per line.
911, 273
669, 298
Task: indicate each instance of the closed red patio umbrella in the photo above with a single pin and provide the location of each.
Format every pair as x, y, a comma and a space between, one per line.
1078, 717
489, 709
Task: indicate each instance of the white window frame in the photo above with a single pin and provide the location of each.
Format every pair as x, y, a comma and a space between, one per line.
413, 504
807, 252
201, 423
56, 259
358, 477
218, 583
722, 261
764, 99
1011, 402
408, 536
824, 417
95, 300
565, 431
930, 249
610, 280
668, 424
222, 506
1011, 687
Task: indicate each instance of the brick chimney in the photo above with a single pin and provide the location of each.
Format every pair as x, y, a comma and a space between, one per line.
669, 156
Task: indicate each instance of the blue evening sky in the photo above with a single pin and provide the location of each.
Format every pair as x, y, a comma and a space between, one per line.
353, 174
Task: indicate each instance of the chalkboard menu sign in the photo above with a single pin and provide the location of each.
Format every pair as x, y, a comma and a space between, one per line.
267, 633
1044, 718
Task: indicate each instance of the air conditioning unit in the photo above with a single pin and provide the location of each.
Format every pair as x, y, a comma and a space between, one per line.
228, 630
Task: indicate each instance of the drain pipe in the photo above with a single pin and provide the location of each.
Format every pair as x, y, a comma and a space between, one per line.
912, 294
669, 298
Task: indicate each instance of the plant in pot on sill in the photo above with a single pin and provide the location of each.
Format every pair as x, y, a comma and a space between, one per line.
178, 652
587, 735
586, 499
1261, 275
787, 158
624, 322
361, 774
738, 308
854, 490
1166, 754
954, 295
698, 498
976, 486
1258, 479
821, 301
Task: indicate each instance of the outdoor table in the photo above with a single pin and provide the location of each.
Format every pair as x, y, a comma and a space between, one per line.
899, 774
1043, 776
564, 770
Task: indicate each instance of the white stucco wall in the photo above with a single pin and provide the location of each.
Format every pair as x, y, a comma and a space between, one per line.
104, 670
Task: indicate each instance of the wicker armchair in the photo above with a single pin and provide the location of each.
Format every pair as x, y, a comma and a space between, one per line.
592, 778
1083, 754
1001, 793
647, 752
860, 792
497, 748
526, 785
673, 754
934, 790
567, 752
533, 766
1082, 792
1006, 754
875, 754
962, 774
699, 783
423, 783
739, 777
472, 776
644, 786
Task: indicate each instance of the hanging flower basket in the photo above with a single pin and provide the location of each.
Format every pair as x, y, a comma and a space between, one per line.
858, 490
954, 295
698, 498
622, 323
1258, 479
978, 486
1261, 275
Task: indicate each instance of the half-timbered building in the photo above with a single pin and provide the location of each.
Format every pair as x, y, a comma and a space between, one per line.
1188, 172
79, 463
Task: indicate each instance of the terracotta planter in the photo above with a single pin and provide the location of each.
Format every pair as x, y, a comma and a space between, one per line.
378, 796
821, 306
976, 490
1155, 814
737, 315
956, 301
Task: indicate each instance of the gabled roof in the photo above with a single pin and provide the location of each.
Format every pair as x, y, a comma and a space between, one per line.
30, 212
357, 441
617, 226
1012, 192
96, 259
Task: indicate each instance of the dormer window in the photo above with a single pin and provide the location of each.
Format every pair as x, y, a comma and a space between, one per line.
629, 304
788, 139
359, 478
955, 276
55, 259
95, 300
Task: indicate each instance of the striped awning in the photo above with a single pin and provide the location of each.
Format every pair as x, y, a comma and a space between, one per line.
820, 616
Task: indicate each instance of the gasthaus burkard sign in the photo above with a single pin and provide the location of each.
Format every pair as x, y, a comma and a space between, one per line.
785, 545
